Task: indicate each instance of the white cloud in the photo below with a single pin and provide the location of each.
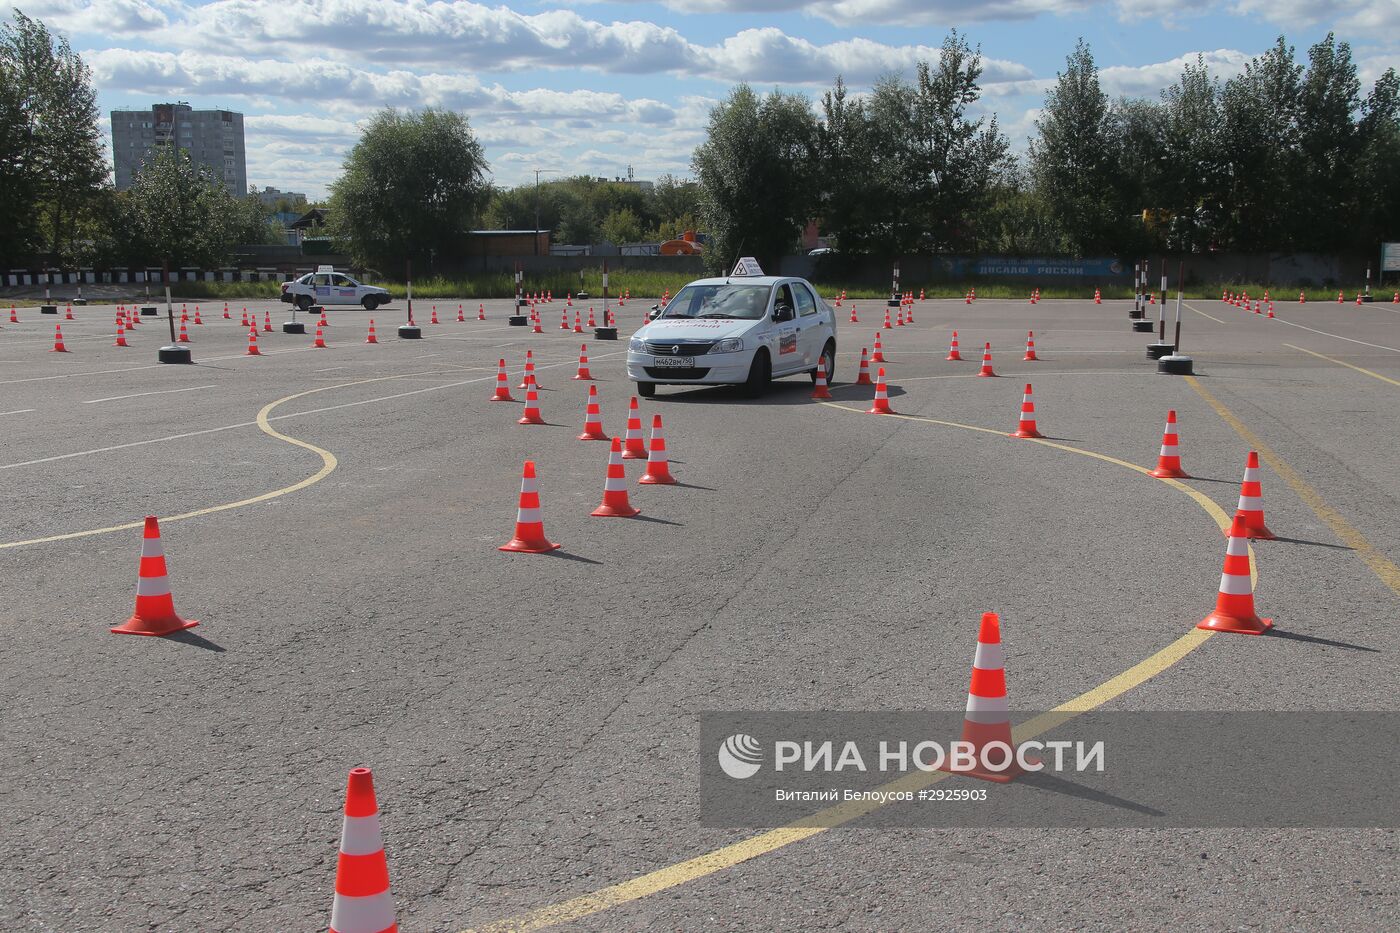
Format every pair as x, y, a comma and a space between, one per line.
102, 17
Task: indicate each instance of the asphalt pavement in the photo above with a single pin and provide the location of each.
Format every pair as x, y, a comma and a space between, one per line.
531, 721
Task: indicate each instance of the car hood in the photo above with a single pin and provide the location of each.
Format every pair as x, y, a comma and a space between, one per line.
698, 329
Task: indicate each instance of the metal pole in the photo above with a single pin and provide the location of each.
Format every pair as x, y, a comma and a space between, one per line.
1180, 280
605, 293
1162, 311
169, 308
535, 233
408, 281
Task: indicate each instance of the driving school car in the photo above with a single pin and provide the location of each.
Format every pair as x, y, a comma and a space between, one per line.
746, 329
325, 286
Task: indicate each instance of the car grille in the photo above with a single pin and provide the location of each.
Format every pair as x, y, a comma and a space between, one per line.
678, 347
667, 373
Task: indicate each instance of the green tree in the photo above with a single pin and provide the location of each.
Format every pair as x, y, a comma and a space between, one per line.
1329, 145
956, 159
622, 226
755, 172
412, 188
51, 161
1071, 160
177, 211
1262, 171
1191, 174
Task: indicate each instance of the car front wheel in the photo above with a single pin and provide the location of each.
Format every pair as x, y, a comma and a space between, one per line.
760, 375
370, 302
829, 351
303, 302
646, 389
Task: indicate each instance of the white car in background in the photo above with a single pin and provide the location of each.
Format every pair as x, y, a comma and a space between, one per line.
744, 329
325, 286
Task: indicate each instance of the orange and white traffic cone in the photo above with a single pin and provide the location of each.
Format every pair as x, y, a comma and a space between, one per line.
593, 419
481, 312
1302, 298
1098, 297
529, 525
1026, 427
921, 294
987, 721
1250, 509
372, 337
863, 375
583, 372
634, 447
820, 390
267, 321
1169, 459
1340, 298
881, 405
14, 315
658, 463
58, 346
854, 319
502, 386
1234, 603
615, 504
68, 314
155, 608
538, 325
320, 342
909, 312
532, 405
245, 318
121, 336
1271, 310
953, 353
253, 343
888, 325
363, 903
529, 375
571, 300
461, 315
578, 321
879, 355
592, 321
986, 369
196, 316
564, 319
1030, 356
325, 323
227, 316
899, 318
967, 298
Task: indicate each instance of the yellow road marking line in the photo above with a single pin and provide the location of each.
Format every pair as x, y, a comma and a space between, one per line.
1324, 333
1217, 320
1381, 565
728, 856
328, 463
1343, 363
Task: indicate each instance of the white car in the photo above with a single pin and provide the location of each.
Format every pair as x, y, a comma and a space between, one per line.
325, 286
743, 329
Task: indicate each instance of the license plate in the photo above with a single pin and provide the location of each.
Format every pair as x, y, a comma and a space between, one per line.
680, 362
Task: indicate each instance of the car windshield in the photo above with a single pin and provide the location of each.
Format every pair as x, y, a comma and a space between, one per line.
724, 300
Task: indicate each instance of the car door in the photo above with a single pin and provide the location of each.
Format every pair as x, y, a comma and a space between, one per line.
343, 290
811, 334
787, 349
321, 288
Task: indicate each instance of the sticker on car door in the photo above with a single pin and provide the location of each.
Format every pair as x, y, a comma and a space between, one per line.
787, 343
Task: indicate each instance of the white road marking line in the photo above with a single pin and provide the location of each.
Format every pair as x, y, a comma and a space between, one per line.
1202, 313
247, 424
1338, 336
17, 411
328, 369
118, 398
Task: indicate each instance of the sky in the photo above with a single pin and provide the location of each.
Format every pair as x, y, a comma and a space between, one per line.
578, 87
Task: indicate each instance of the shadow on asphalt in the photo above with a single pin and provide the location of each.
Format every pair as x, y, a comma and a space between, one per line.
188, 637
1339, 547
565, 555
1057, 785
1314, 640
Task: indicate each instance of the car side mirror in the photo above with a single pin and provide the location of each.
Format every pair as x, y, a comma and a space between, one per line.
782, 313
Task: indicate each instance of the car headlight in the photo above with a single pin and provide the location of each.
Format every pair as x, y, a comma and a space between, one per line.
728, 345
636, 344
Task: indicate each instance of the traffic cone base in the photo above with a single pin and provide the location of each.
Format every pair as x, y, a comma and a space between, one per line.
1236, 625
658, 464
881, 405
1234, 602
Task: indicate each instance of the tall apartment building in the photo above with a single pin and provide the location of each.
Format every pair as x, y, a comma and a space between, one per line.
213, 138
